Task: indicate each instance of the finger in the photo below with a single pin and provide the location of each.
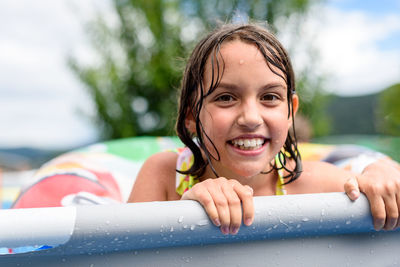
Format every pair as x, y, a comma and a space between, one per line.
392, 212
378, 211
398, 207
351, 188
202, 195
235, 208
245, 194
222, 207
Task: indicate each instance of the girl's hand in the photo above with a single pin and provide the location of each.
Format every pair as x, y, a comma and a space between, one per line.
380, 181
223, 200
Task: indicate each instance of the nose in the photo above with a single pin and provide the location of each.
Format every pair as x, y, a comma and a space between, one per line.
250, 115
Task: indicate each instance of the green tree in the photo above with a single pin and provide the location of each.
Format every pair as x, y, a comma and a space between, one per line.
313, 101
141, 56
388, 115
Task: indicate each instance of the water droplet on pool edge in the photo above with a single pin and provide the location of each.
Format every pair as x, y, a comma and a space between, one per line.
203, 222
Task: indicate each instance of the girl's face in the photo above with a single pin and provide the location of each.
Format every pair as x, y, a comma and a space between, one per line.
246, 117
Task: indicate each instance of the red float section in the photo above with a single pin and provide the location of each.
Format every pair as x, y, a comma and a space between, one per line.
52, 190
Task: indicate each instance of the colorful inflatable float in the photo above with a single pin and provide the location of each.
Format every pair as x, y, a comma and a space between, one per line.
72, 214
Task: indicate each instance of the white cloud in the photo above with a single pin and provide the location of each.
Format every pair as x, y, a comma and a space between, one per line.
39, 96
348, 42
43, 122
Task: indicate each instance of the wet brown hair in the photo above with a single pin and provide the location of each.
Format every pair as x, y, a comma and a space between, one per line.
192, 92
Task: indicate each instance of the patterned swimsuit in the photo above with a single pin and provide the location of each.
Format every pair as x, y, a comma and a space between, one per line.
186, 181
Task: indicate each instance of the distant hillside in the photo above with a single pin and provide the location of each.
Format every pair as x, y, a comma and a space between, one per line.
353, 115
17, 159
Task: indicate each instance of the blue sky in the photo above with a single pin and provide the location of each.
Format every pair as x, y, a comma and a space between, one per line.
374, 8
358, 44
42, 104
371, 6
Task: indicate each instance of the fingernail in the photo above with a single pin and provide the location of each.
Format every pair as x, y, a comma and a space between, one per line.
225, 230
234, 230
390, 224
378, 224
217, 222
251, 190
248, 221
354, 194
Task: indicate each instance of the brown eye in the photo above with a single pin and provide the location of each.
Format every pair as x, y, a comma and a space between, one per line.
225, 98
269, 97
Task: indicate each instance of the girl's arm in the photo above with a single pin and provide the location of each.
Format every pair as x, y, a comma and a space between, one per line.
226, 201
380, 182
221, 198
156, 179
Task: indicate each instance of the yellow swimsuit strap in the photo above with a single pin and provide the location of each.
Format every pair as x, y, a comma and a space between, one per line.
184, 181
280, 183
187, 181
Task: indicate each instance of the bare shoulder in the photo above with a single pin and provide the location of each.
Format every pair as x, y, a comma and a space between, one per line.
162, 160
156, 178
319, 177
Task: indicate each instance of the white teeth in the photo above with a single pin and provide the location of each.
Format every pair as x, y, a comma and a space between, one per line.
248, 144
253, 142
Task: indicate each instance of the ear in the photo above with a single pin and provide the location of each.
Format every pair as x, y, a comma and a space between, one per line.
190, 123
295, 107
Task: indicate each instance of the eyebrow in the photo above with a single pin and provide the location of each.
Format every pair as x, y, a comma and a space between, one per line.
234, 87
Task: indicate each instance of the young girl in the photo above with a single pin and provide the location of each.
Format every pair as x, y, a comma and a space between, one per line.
237, 103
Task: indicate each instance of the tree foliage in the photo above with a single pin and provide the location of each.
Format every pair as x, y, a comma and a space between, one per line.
142, 53
388, 115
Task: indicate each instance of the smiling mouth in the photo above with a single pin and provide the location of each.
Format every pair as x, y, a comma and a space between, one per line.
248, 143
